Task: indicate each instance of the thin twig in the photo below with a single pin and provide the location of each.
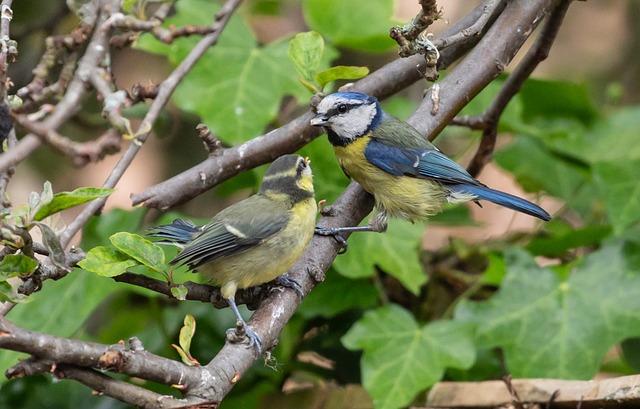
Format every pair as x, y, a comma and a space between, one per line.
512, 85
71, 102
164, 93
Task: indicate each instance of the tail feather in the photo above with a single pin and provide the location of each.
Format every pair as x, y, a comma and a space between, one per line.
504, 199
178, 232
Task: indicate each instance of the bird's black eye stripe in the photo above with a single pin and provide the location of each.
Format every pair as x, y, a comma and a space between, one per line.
302, 165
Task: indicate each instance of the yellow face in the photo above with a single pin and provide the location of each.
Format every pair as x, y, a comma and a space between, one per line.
305, 182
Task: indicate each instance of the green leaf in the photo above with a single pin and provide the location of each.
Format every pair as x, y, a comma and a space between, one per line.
542, 170
61, 308
396, 252
402, 358
237, 86
13, 265
618, 185
548, 99
358, 24
65, 200
186, 335
553, 328
187, 332
99, 228
328, 300
305, 51
341, 72
180, 292
561, 237
52, 242
107, 261
141, 250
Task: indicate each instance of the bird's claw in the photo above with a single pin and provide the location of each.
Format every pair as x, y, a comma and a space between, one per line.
287, 282
335, 233
237, 335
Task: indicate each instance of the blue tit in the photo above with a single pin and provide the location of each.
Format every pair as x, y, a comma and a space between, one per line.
409, 177
255, 240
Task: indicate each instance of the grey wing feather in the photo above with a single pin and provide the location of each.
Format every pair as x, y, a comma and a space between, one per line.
233, 231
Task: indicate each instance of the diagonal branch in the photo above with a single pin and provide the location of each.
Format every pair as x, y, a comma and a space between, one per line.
489, 120
382, 83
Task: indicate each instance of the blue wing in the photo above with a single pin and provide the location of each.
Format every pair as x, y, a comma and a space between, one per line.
433, 164
421, 163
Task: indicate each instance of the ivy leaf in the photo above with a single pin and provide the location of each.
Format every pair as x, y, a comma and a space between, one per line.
401, 358
328, 300
106, 261
340, 72
617, 183
554, 328
396, 252
65, 200
354, 24
13, 265
141, 250
237, 86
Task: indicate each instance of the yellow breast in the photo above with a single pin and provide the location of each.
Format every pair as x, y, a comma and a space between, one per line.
405, 197
269, 259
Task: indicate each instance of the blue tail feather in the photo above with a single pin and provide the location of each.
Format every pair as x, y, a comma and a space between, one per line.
504, 199
178, 232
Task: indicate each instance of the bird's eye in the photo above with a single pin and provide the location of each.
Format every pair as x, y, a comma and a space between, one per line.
343, 108
302, 164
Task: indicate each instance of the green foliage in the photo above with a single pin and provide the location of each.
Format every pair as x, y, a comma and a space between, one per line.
402, 358
395, 252
128, 250
186, 335
553, 327
305, 51
354, 24
64, 200
106, 261
253, 78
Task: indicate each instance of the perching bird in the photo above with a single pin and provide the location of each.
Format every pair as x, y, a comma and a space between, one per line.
409, 177
255, 240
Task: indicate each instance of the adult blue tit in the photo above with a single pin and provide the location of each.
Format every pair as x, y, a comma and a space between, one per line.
409, 177
255, 240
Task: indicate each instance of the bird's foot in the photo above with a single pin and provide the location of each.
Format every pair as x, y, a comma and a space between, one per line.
335, 233
284, 281
242, 333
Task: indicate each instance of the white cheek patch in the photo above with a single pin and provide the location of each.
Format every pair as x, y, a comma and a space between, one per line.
355, 122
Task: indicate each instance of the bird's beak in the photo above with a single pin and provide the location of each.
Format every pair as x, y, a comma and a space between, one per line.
319, 120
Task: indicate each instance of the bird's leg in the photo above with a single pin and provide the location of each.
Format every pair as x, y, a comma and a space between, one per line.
254, 339
284, 281
378, 224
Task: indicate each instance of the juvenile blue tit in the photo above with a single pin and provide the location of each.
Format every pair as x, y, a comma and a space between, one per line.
255, 240
409, 177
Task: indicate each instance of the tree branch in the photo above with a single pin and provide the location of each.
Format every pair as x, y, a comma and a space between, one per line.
382, 83
489, 120
165, 91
